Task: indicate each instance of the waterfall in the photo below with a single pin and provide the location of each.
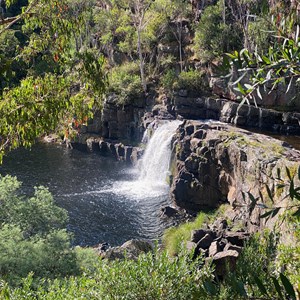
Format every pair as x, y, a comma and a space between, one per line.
156, 159
149, 179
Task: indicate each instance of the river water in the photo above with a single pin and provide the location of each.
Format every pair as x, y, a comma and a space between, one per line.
107, 200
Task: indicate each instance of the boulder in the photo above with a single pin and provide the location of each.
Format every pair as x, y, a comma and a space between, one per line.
130, 250
214, 248
169, 212
225, 261
237, 238
203, 245
229, 246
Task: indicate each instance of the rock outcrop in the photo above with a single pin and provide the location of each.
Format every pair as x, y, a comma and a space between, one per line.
216, 163
129, 250
218, 243
231, 112
108, 148
122, 121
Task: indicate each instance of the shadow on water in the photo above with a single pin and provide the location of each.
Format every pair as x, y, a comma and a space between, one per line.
97, 192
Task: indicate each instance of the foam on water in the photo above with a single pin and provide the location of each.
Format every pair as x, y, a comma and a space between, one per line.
152, 172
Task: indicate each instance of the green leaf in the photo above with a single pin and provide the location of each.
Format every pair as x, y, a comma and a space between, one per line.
269, 193
266, 60
277, 287
268, 213
280, 186
297, 213
288, 173
241, 289
292, 190
241, 89
260, 286
278, 173
287, 286
210, 288
275, 212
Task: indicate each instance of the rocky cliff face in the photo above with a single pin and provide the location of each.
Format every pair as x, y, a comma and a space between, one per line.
216, 163
232, 113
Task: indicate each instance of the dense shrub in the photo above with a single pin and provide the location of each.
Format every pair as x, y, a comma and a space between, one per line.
151, 276
125, 81
213, 36
194, 81
32, 235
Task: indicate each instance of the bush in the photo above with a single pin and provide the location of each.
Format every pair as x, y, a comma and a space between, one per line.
168, 80
151, 276
35, 215
125, 81
193, 80
213, 37
32, 235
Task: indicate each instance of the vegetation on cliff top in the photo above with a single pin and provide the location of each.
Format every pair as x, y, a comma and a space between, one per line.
55, 56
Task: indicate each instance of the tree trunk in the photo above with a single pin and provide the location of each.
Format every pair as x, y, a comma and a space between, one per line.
141, 59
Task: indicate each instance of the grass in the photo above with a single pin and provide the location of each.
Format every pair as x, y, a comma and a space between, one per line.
175, 237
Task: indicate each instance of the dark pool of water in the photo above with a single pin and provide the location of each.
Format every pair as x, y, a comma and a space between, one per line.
103, 198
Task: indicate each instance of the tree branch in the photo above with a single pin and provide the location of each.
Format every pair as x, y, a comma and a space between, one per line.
11, 21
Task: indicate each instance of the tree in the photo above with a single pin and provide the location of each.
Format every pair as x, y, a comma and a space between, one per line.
138, 9
32, 235
60, 79
216, 33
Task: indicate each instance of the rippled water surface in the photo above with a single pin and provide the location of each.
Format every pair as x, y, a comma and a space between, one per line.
105, 199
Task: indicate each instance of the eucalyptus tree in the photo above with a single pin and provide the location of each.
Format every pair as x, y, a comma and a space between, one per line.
175, 14
61, 79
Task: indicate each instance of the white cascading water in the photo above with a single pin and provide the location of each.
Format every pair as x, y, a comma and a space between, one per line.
153, 167
155, 161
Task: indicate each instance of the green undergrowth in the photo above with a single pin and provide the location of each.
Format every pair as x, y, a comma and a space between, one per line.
175, 237
158, 276
151, 276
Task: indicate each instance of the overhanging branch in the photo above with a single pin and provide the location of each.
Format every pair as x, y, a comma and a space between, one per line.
12, 20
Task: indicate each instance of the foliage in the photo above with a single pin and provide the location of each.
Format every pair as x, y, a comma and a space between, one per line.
21, 107
57, 78
214, 36
287, 189
192, 80
175, 237
260, 39
32, 235
278, 67
168, 80
125, 82
157, 276
151, 276
255, 276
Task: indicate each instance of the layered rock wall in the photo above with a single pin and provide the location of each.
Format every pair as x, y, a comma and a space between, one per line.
231, 112
216, 163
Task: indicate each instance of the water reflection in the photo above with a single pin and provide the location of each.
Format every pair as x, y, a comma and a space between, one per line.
96, 191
